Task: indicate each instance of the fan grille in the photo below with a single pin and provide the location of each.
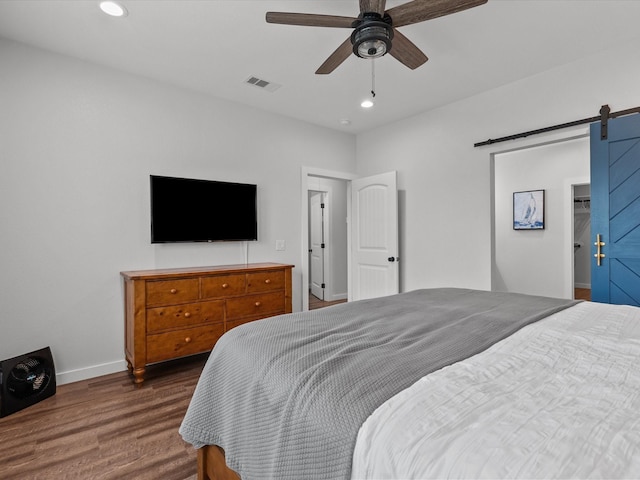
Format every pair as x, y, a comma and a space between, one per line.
29, 377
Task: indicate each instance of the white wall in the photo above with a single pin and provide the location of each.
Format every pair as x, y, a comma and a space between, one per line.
530, 261
77, 145
446, 183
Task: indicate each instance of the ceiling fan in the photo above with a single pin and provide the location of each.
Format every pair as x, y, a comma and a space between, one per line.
375, 29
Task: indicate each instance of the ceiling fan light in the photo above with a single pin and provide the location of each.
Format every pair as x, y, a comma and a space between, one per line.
372, 49
113, 8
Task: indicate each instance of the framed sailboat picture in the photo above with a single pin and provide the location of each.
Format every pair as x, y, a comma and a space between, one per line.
528, 210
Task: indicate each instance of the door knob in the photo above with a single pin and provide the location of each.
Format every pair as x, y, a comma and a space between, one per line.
393, 259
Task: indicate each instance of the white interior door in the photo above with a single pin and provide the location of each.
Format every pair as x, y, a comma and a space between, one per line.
316, 244
374, 237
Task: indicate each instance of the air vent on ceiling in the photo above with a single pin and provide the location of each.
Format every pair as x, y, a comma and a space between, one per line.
263, 84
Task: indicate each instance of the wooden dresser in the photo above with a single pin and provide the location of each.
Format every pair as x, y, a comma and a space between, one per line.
172, 313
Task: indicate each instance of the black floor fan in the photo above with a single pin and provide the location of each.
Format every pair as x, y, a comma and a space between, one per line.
26, 380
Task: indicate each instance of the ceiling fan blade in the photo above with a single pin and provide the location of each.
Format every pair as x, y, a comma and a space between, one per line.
336, 58
376, 6
405, 51
421, 10
310, 19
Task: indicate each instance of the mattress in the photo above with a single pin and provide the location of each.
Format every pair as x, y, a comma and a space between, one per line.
286, 396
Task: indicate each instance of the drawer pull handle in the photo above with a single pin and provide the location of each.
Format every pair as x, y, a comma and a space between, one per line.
225, 285
173, 290
187, 340
258, 304
187, 314
267, 281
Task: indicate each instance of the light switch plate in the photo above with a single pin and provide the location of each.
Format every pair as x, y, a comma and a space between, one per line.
280, 245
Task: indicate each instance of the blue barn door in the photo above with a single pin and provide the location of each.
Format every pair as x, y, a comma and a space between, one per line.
615, 212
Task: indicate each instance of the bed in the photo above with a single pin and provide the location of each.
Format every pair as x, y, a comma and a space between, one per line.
435, 383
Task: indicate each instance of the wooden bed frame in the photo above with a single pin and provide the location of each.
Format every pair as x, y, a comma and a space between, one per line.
213, 466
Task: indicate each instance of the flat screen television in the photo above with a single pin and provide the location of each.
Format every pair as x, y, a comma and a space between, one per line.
191, 210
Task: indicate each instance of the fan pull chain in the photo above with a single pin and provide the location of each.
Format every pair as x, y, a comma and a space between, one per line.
373, 79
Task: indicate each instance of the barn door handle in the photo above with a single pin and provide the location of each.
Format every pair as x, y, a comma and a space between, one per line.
599, 255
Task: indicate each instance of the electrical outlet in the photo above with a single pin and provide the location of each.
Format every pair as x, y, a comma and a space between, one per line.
280, 245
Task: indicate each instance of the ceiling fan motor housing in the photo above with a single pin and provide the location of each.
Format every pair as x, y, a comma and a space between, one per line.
372, 36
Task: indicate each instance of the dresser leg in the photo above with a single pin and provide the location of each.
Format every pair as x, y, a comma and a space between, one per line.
129, 367
138, 375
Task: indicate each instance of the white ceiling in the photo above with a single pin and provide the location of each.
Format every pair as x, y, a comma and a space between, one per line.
214, 46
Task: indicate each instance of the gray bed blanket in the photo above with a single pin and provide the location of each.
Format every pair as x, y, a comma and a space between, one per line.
286, 396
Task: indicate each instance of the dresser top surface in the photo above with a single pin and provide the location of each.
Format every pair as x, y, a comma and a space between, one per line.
194, 271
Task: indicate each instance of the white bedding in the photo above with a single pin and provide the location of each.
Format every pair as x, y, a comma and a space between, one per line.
558, 399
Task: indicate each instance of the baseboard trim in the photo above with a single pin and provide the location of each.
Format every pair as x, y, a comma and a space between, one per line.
582, 285
90, 372
337, 296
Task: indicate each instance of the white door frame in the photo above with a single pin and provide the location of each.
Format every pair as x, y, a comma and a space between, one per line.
307, 172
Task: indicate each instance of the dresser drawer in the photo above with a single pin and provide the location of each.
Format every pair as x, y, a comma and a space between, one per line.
170, 292
224, 285
164, 346
265, 281
180, 316
263, 304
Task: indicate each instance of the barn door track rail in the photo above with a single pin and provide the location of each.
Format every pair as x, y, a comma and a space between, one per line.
603, 118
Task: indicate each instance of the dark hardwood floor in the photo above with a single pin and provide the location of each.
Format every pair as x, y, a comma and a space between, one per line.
105, 428
582, 294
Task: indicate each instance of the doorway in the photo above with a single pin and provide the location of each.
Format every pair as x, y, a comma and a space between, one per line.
371, 225
326, 202
581, 243
327, 264
539, 262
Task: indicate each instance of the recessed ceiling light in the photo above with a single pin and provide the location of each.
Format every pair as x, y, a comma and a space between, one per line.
345, 121
113, 8
368, 103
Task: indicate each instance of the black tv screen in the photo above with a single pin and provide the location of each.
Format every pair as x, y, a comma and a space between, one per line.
190, 210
